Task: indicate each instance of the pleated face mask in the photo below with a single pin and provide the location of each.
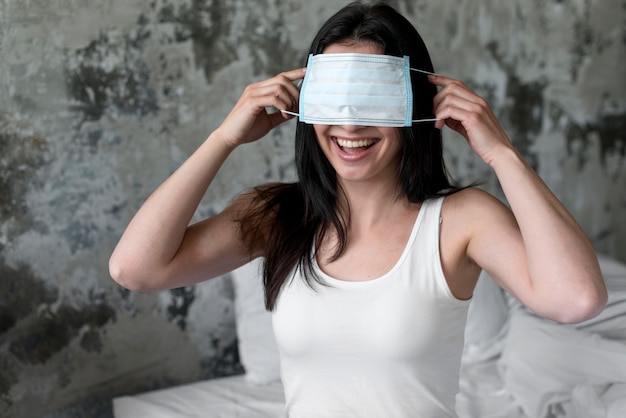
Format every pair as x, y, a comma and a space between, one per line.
357, 89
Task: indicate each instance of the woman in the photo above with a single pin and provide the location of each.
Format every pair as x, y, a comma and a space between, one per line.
372, 257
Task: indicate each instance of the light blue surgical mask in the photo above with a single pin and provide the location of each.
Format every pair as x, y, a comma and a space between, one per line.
357, 89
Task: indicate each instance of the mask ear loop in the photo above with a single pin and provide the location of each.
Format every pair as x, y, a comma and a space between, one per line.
422, 71
289, 113
429, 73
298, 84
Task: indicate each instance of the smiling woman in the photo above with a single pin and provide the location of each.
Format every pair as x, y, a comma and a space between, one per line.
352, 144
371, 258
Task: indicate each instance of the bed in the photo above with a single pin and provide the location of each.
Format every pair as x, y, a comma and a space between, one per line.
515, 364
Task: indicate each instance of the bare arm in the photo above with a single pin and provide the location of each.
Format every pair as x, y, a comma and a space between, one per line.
538, 253
159, 249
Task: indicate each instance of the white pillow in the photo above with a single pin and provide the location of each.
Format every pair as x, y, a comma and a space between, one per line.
258, 351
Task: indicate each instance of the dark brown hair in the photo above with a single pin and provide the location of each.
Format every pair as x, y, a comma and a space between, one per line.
286, 220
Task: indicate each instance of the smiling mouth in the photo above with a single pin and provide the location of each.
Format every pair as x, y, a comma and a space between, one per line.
354, 145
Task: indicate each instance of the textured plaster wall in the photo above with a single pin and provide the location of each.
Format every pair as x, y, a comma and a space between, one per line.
101, 100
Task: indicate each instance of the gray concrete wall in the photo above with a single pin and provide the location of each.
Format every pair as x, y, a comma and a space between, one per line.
101, 100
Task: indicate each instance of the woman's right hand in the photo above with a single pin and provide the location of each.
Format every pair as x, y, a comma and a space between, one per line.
249, 120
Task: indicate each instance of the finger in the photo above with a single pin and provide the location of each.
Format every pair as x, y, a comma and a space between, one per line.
285, 85
456, 118
440, 80
277, 118
458, 101
278, 95
457, 89
296, 74
453, 124
287, 77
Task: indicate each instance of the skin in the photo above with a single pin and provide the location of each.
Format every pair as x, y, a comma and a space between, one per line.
535, 250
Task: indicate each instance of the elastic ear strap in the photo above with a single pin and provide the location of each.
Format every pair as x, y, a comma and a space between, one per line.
422, 71
424, 120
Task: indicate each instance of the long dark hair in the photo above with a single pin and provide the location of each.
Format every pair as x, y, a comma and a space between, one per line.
286, 220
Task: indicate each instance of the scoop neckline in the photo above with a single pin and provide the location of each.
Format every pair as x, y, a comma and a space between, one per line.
334, 282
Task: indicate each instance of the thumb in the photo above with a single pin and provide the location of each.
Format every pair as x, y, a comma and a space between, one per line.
456, 126
278, 117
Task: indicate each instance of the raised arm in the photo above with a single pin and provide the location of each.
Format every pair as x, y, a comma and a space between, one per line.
158, 249
538, 253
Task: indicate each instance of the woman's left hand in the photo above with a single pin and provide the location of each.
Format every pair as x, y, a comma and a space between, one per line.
458, 107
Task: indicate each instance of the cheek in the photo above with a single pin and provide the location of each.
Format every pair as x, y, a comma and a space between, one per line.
391, 133
322, 138
320, 131
396, 141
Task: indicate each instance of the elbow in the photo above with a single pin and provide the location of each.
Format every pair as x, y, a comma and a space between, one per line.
587, 305
127, 275
586, 298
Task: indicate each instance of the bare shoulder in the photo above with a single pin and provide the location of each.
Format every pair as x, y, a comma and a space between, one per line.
458, 216
471, 218
474, 205
482, 226
473, 196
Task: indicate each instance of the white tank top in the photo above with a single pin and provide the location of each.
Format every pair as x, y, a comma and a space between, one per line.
387, 347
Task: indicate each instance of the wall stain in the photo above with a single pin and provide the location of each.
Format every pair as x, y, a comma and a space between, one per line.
206, 25
525, 114
22, 292
110, 77
270, 47
22, 153
209, 26
525, 108
92, 139
609, 131
178, 309
32, 331
584, 39
8, 378
53, 330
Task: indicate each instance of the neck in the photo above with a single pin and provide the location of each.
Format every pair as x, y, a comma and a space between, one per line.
370, 204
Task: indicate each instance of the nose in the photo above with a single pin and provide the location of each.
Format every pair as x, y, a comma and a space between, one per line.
351, 128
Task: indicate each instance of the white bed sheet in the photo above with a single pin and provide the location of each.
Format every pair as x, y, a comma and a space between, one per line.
518, 366
225, 397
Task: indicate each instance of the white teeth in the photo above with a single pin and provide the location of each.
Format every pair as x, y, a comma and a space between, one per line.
355, 144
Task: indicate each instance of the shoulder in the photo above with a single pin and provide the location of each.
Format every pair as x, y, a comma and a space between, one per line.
472, 213
471, 218
480, 223
472, 203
